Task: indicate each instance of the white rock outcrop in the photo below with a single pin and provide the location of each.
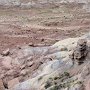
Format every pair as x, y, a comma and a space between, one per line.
59, 63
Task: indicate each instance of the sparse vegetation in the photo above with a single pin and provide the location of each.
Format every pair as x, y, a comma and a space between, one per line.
67, 74
48, 84
61, 81
56, 80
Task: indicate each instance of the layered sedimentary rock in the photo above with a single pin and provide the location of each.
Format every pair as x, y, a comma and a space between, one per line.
80, 52
46, 68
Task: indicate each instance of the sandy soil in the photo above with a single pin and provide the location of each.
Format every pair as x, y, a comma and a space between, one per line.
41, 26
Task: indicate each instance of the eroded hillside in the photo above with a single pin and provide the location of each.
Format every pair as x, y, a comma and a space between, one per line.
42, 43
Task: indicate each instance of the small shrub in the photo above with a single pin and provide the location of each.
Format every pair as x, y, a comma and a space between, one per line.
40, 78
66, 74
55, 78
48, 84
79, 82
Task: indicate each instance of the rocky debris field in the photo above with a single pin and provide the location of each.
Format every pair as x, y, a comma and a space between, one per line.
44, 45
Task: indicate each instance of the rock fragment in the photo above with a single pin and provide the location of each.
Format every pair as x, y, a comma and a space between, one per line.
6, 52
29, 64
31, 44
23, 72
80, 52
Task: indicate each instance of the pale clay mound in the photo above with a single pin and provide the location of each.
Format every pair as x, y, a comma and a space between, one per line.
49, 68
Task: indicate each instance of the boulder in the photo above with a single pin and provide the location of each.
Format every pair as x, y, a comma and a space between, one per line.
80, 52
82, 44
6, 52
